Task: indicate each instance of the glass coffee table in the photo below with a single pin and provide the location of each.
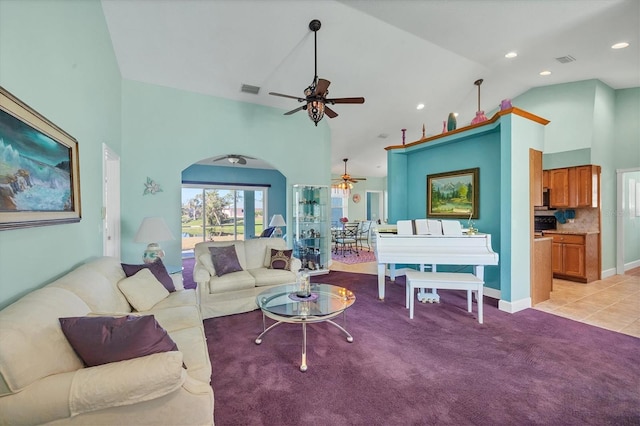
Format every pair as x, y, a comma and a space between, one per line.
282, 305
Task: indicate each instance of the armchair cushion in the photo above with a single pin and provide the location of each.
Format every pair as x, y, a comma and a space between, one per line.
101, 340
143, 290
225, 260
126, 382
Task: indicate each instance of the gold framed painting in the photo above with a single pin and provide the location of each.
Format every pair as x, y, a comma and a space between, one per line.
39, 170
454, 194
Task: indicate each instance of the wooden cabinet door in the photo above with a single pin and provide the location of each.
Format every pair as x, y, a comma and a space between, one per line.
574, 260
545, 179
535, 177
557, 258
559, 188
584, 185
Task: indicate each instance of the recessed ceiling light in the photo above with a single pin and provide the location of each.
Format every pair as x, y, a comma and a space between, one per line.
545, 72
511, 55
621, 45
420, 106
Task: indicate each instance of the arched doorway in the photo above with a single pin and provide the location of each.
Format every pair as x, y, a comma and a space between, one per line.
228, 200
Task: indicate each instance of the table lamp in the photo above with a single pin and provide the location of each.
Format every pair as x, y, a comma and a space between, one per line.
277, 220
152, 230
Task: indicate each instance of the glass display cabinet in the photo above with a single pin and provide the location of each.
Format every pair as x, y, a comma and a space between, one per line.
311, 232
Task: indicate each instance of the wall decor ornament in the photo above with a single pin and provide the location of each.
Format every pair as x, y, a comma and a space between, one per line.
39, 168
454, 194
151, 187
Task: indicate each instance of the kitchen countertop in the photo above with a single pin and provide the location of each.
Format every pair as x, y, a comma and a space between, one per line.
555, 231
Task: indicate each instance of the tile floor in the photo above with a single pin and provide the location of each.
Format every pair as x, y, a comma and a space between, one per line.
612, 303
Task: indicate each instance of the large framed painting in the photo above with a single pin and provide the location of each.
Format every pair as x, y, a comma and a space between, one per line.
39, 170
454, 194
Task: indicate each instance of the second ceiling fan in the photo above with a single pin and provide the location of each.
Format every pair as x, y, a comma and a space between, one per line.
346, 181
315, 99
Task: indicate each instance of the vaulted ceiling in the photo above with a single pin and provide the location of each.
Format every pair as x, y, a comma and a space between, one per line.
396, 54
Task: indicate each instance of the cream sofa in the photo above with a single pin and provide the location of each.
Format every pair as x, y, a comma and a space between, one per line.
236, 292
43, 381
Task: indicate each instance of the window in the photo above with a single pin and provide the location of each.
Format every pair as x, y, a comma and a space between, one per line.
220, 213
339, 203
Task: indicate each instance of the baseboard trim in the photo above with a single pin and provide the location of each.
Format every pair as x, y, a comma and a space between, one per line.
632, 265
492, 293
516, 306
608, 273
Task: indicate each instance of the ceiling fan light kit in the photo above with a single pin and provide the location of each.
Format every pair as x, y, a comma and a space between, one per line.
346, 181
316, 94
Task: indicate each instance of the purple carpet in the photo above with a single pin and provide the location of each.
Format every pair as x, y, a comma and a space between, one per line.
440, 368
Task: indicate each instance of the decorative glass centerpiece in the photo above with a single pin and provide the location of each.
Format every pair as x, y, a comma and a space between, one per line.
304, 283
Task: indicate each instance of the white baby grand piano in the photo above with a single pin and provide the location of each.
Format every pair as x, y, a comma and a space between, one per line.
432, 242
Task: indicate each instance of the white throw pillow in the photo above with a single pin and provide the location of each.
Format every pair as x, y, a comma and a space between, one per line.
143, 290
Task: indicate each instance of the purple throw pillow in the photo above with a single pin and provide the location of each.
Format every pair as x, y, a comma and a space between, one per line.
280, 259
157, 269
225, 260
101, 340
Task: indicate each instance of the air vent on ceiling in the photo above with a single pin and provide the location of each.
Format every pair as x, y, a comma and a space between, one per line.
247, 88
383, 135
565, 59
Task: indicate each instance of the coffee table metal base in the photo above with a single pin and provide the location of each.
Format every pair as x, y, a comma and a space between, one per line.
303, 363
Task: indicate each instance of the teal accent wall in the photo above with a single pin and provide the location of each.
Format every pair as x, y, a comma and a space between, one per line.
501, 152
165, 131
57, 57
276, 194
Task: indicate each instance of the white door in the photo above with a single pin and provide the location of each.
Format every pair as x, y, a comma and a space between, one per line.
374, 202
111, 202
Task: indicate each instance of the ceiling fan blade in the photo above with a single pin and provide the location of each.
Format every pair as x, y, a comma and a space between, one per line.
295, 110
321, 87
329, 112
242, 160
345, 101
287, 96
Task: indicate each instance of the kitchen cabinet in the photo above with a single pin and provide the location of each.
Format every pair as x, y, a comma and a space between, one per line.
541, 273
574, 187
312, 234
545, 179
575, 257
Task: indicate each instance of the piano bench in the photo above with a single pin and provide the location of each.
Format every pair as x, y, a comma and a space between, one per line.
444, 281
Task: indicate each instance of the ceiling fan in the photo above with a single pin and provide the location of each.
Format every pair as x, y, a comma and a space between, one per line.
234, 158
346, 181
315, 96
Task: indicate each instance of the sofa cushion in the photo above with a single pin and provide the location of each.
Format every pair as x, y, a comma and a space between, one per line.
101, 340
158, 270
231, 282
265, 277
32, 345
186, 297
280, 259
205, 260
143, 290
95, 286
225, 260
269, 243
126, 383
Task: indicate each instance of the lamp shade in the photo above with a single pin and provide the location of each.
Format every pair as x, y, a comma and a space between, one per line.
277, 220
153, 230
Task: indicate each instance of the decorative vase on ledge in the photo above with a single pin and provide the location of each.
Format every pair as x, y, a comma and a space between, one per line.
451, 122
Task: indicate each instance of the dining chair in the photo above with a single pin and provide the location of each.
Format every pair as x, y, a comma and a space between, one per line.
346, 240
364, 235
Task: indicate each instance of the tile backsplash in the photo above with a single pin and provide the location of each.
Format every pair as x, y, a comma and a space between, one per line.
586, 220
